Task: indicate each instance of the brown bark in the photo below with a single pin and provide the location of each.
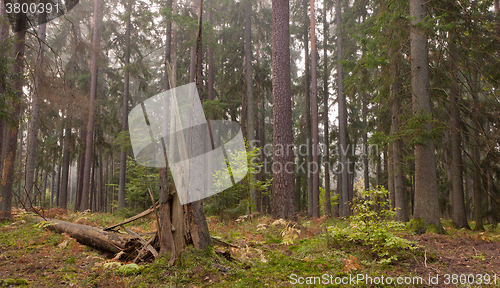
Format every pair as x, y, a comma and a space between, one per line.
307, 79
100, 183
9, 160
211, 73
426, 194
90, 125
459, 215
63, 198
476, 155
4, 34
183, 225
314, 112
92, 236
283, 181
400, 199
33, 125
166, 238
126, 83
81, 165
344, 190
328, 203
389, 166
249, 82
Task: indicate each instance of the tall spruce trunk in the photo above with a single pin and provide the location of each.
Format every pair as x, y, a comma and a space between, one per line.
35, 107
476, 155
100, 183
344, 188
126, 83
13, 130
210, 52
63, 198
328, 203
459, 215
314, 105
249, 81
4, 34
307, 76
426, 193
283, 181
401, 202
90, 124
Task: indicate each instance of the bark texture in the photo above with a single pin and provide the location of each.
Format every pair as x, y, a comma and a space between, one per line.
459, 215
283, 157
90, 124
315, 122
328, 204
426, 194
35, 107
126, 84
11, 149
401, 202
344, 187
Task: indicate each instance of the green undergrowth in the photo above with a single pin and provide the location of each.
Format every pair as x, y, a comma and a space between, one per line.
372, 227
268, 253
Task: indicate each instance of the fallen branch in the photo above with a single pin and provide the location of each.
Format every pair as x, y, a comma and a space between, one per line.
146, 244
133, 218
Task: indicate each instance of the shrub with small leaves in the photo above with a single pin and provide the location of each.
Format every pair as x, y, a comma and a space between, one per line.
372, 226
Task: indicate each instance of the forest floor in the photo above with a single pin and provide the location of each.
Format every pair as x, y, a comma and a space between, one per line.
279, 255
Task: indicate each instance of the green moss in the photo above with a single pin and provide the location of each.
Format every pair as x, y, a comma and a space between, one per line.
417, 226
431, 228
9, 282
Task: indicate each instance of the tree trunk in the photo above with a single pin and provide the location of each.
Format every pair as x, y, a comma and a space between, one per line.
59, 169
63, 198
476, 155
126, 82
283, 181
183, 225
44, 189
100, 183
315, 122
401, 202
478, 193
389, 166
211, 73
344, 190
166, 239
33, 127
426, 194
90, 125
53, 182
328, 203
459, 215
4, 34
9, 160
248, 74
81, 165
308, 114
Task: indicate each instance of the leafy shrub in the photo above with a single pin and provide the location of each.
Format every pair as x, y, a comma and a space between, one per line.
236, 200
372, 226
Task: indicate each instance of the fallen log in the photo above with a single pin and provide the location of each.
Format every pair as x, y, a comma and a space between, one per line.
92, 236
